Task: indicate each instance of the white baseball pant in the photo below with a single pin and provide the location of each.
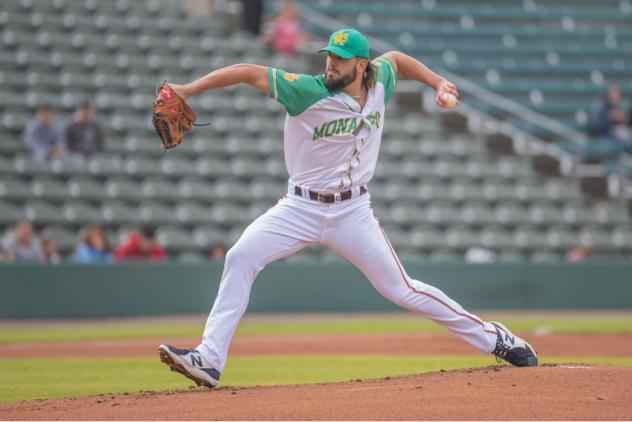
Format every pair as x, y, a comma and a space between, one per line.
348, 227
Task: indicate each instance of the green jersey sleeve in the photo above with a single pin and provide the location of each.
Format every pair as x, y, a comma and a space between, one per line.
296, 92
386, 76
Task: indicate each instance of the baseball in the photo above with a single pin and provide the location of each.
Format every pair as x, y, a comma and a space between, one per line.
449, 100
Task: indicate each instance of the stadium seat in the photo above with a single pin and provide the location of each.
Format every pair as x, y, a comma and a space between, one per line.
495, 239
30, 166
105, 166
119, 213
541, 215
459, 238
204, 236
610, 214
175, 239
256, 210
15, 189
193, 213
527, 239
577, 216
69, 166
9, 213
141, 167
229, 214
510, 215
436, 192
601, 239
160, 188
170, 166
266, 190
155, 213
196, 189
81, 213
123, 188
49, 189
428, 240
231, 189
477, 215
41, 212
563, 240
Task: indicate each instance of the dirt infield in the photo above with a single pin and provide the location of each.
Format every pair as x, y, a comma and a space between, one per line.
578, 392
557, 344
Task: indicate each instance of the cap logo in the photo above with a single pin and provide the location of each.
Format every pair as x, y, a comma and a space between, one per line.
341, 38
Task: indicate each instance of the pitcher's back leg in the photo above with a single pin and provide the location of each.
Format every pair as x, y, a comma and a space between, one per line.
366, 245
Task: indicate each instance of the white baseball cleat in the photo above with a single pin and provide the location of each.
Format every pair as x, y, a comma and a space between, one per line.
512, 348
190, 363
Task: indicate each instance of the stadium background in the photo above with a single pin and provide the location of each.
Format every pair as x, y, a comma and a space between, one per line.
510, 170
445, 181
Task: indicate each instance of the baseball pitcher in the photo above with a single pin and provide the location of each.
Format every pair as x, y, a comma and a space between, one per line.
332, 135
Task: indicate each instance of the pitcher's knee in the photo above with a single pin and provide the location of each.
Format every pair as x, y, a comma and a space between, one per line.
242, 257
398, 295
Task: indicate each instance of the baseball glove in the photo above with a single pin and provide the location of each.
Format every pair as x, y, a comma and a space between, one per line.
171, 116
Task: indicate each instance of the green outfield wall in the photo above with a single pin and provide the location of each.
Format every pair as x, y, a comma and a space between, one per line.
68, 290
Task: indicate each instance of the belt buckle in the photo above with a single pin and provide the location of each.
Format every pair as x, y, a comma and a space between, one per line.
318, 196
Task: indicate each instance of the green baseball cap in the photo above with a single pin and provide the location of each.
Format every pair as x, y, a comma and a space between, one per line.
347, 43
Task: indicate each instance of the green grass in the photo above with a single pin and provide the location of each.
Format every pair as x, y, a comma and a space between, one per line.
308, 326
32, 378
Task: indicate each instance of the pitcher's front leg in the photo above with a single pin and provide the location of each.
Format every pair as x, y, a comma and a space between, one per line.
272, 236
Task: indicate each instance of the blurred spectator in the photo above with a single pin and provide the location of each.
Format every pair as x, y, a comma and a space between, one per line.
50, 250
581, 252
84, 135
608, 121
217, 251
43, 136
251, 14
5, 256
141, 244
22, 244
93, 246
285, 33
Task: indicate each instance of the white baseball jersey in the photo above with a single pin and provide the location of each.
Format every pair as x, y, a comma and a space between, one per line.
330, 145
330, 142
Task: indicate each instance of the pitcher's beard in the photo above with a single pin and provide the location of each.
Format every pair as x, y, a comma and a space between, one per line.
341, 83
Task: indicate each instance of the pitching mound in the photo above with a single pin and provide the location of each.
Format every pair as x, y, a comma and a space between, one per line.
547, 392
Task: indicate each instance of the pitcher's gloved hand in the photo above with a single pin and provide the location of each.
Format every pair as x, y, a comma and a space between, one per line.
171, 116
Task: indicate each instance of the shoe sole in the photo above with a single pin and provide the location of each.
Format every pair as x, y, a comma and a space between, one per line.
166, 358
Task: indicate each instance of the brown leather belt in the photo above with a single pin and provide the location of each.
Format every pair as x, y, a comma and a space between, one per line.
329, 198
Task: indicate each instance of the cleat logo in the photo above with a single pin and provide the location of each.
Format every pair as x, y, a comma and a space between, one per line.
196, 360
510, 339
